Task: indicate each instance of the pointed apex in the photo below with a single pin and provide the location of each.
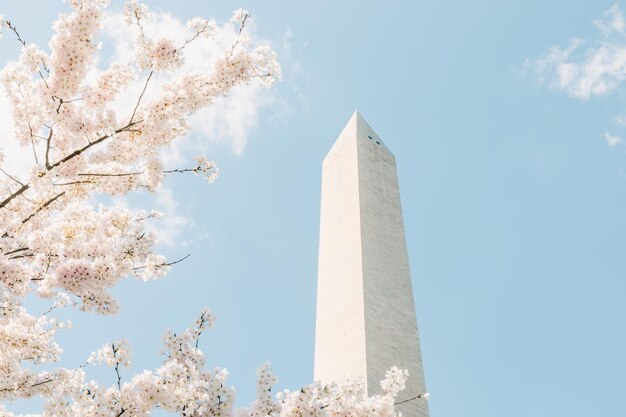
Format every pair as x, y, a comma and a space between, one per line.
359, 130
356, 116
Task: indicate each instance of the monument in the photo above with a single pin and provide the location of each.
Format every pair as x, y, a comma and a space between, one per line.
366, 319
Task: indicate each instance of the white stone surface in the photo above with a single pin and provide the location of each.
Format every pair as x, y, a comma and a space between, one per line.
365, 310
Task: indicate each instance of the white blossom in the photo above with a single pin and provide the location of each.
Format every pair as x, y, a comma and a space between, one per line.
112, 354
240, 15
394, 381
135, 11
202, 27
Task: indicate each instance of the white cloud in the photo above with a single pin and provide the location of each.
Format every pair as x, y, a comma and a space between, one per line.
613, 21
612, 140
620, 120
586, 68
171, 228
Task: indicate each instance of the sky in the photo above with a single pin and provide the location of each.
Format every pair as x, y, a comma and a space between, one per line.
508, 123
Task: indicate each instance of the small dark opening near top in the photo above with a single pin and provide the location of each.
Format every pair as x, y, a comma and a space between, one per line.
370, 137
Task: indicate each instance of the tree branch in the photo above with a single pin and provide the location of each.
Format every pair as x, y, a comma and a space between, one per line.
13, 195
15, 251
163, 264
48, 140
41, 383
17, 34
422, 395
46, 204
243, 25
145, 87
117, 369
10, 176
32, 141
181, 171
89, 145
123, 174
23, 42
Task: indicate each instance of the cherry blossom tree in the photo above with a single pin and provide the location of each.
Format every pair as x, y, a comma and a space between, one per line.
58, 240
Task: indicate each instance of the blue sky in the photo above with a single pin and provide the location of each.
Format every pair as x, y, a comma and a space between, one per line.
514, 201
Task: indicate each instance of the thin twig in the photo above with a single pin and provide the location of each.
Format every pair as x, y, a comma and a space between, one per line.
410, 399
13, 195
145, 87
10, 176
73, 183
41, 383
32, 141
46, 204
48, 140
163, 264
89, 145
23, 42
15, 251
14, 29
188, 41
117, 368
96, 174
181, 171
243, 25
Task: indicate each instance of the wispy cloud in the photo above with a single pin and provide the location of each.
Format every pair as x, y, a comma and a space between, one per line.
612, 140
586, 68
613, 21
172, 227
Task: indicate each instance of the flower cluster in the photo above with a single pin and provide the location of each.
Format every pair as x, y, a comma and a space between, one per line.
160, 55
135, 11
264, 405
202, 27
113, 354
394, 381
207, 168
239, 16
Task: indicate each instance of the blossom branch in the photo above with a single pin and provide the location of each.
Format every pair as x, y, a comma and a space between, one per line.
241, 28
32, 142
72, 155
43, 206
48, 140
89, 145
121, 174
424, 395
23, 42
15, 251
10, 176
11, 196
163, 264
145, 87
14, 30
117, 369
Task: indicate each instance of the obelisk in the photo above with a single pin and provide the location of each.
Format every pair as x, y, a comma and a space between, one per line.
366, 319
